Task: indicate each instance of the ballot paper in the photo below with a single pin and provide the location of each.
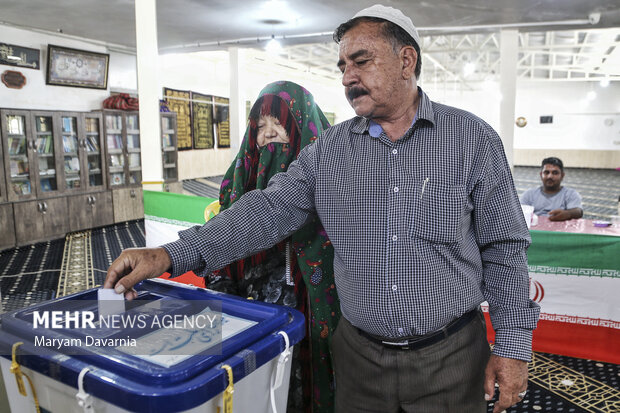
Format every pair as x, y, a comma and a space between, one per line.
110, 303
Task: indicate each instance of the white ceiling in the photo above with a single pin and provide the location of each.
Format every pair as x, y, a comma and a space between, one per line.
557, 41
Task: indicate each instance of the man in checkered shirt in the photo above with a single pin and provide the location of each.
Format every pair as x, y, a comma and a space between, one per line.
418, 201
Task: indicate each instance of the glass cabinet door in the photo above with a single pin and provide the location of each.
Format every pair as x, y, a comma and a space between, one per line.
115, 149
17, 148
94, 155
169, 154
70, 146
46, 154
133, 149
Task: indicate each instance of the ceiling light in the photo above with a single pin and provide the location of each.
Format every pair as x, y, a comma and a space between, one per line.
604, 82
277, 10
273, 46
468, 69
591, 95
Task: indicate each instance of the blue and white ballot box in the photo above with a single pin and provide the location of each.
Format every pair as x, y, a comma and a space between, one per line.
177, 348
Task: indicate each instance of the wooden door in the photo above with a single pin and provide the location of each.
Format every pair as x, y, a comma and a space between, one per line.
90, 210
128, 204
40, 220
7, 234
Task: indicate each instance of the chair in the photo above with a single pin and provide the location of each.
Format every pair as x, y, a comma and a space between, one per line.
212, 210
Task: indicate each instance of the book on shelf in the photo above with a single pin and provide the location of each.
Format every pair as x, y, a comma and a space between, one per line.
13, 167
93, 144
67, 125
94, 165
21, 188
40, 144
91, 125
115, 142
19, 167
167, 140
17, 146
72, 165
113, 122
69, 144
135, 177
72, 183
116, 160
132, 122
44, 144
134, 160
46, 185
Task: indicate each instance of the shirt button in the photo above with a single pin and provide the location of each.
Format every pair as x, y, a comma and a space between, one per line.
394, 151
395, 189
394, 288
400, 330
394, 238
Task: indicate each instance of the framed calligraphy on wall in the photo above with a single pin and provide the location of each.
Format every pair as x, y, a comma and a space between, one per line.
79, 68
179, 101
19, 56
222, 122
202, 121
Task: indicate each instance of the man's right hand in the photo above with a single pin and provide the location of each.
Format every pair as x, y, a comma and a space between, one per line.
135, 265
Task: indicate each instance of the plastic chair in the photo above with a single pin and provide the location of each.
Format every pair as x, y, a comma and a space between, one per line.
212, 210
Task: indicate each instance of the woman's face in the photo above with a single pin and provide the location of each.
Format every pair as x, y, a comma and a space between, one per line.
270, 130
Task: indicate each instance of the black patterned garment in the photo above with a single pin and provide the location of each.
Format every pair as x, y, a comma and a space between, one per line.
424, 229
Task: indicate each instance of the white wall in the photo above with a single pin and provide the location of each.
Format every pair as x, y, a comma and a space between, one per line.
481, 100
37, 95
585, 132
578, 123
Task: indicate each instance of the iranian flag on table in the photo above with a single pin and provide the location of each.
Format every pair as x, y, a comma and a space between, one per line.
165, 214
576, 280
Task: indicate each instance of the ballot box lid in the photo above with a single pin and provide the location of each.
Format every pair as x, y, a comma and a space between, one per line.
166, 360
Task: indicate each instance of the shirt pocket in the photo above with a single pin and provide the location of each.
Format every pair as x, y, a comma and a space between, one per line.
438, 211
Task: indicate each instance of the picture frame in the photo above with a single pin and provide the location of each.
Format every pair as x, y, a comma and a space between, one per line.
179, 101
77, 68
20, 56
202, 120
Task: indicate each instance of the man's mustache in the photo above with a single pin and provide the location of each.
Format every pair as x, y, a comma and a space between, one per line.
356, 92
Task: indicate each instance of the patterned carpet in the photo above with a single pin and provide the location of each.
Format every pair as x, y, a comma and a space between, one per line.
43, 271
46, 270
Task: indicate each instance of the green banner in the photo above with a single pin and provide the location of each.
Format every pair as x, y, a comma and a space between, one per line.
178, 207
585, 254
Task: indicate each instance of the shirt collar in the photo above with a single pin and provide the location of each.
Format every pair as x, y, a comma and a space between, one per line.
425, 111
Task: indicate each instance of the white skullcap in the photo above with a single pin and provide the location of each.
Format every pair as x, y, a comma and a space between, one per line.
393, 15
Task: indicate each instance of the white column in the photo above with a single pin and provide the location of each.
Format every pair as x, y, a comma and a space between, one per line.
237, 105
148, 65
509, 53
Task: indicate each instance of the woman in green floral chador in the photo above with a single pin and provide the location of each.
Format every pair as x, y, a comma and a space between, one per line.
298, 272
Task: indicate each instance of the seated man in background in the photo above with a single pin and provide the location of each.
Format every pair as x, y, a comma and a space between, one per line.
558, 202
